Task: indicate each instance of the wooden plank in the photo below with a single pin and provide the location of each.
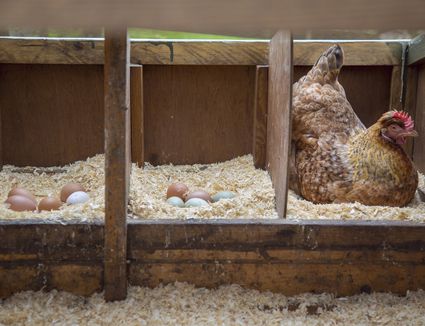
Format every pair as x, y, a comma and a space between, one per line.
198, 114
279, 116
194, 52
250, 234
58, 110
136, 108
290, 279
77, 278
292, 257
117, 154
243, 18
416, 54
419, 142
260, 117
396, 89
409, 101
32, 241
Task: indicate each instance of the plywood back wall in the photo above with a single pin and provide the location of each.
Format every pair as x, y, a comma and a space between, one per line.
51, 114
200, 114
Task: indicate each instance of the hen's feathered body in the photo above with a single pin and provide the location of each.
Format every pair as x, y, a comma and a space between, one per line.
334, 157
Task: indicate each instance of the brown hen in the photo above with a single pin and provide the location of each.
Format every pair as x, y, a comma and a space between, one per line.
334, 157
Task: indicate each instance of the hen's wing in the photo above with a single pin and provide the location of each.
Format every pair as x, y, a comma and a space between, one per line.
322, 121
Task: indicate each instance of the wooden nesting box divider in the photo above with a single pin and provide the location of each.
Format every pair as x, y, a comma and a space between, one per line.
194, 102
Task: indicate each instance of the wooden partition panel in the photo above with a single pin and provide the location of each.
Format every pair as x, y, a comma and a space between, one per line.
198, 114
279, 116
51, 114
419, 142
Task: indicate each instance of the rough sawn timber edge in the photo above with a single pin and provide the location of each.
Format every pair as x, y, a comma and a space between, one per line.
183, 52
291, 257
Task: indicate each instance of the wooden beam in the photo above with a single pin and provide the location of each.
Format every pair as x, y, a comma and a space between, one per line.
117, 162
245, 18
291, 257
194, 52
279, 116
260, 116
417, 50
136, 104
396, 89
419, 142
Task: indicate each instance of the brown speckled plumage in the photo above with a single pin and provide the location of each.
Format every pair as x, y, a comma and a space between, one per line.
334, 158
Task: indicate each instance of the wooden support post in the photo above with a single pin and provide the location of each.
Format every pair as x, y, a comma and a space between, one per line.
419, 142
396, 89
260, 117
117, 162
136, 105
279, 115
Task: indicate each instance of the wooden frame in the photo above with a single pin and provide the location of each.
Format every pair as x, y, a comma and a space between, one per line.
117, 161
343, 257
415, 99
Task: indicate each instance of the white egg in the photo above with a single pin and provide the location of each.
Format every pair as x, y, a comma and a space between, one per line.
78, 197
175, 201
223, 195
196, 202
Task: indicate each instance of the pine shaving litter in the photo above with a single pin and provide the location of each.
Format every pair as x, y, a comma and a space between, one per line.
255, 194
183, 304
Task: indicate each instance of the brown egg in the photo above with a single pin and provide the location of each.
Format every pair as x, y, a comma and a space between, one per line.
199, 194
177, 190
20, 203
70, 188
17, 191
49, 204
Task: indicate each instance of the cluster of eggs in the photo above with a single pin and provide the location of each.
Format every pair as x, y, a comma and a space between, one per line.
178, 195
20, 199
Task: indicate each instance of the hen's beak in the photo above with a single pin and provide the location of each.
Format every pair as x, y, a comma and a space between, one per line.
411, 133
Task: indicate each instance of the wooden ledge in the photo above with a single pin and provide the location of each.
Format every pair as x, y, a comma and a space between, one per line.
190, 52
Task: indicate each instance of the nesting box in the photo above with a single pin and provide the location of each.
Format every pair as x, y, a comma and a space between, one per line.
229, 98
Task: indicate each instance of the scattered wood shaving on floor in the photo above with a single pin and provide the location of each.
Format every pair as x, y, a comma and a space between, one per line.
255, 195
183, 304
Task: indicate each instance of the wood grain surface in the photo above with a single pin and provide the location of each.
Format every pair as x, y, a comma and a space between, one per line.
201, 52
260, 117
137, 113
419, 142
51, 114
117, 162
201, 114
279, 116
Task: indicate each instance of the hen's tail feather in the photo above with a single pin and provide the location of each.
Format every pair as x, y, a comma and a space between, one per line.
330, 62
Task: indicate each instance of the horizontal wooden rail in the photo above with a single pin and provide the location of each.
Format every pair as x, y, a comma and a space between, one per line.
343, 257
190, 52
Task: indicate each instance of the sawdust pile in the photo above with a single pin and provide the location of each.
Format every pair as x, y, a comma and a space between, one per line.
183, 304
47, 181
300, 209
255, 195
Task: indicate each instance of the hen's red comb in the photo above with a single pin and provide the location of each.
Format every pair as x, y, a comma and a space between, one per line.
405, 118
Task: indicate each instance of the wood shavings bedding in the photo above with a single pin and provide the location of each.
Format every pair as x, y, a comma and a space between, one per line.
47, 181
183, 304
255, 195
299, 209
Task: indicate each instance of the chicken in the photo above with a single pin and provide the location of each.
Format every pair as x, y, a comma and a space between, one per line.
334, 158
